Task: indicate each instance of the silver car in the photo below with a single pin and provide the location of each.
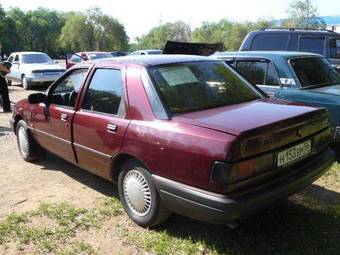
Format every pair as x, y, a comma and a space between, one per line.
30, 68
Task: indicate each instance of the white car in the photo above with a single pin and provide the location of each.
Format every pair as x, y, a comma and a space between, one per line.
31, 68
146, 52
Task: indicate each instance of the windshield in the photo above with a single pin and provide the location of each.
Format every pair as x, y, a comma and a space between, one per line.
200, 85
99, 55
36, 59
314, 71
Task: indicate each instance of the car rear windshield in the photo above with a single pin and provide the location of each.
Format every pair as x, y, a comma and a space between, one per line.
154, 52
196, 86
100, 55
314, 71
35, 58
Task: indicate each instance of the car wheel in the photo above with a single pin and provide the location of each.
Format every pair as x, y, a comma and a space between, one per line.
28, 147
25, 84
139, 196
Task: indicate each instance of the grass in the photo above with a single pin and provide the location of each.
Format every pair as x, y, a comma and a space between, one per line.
64, 221
307, 223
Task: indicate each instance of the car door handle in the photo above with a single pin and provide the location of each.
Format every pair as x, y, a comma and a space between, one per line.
63, 117
111, 128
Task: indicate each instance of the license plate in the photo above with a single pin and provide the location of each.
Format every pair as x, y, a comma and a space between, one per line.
294, 153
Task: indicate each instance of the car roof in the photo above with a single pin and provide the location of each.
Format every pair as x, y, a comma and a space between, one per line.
91, 52
28, 52
152, 60
266, 54
294, 31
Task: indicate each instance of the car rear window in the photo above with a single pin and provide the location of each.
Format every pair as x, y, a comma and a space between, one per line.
270, 42
200, 85
313, 71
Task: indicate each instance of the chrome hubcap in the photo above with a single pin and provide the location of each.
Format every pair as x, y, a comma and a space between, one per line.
23, 141
137, 193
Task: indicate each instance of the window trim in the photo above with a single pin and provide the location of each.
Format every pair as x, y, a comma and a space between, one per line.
86, 87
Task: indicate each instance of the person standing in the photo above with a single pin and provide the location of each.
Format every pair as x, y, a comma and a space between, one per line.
6, 104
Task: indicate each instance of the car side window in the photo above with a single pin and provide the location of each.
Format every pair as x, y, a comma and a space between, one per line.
258, 72
334, 47
67, 89
10, 59
16, 59
105, 92
314, 45
270, 42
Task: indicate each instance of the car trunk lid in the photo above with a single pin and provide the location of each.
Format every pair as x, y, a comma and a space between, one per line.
261, 125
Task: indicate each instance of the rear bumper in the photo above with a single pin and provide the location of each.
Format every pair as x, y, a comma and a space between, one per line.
222, 209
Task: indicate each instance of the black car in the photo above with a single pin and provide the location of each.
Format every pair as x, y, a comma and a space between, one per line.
323, 42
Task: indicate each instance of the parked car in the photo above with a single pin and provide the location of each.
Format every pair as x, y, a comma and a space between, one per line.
31, 68
118, 53
78, 57
323, 42
146, 52
182, 134
301, 77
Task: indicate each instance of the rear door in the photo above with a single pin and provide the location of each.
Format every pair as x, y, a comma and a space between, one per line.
260, 72
99, 124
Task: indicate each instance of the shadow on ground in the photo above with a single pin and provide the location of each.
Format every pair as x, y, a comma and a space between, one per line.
54, 163
307, 223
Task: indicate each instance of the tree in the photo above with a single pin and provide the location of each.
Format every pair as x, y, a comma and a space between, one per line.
37, 30
9, 36
231, 34
157, 37
92, 31
303, 14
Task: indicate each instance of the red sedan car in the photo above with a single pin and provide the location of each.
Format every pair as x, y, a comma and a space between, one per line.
177, 134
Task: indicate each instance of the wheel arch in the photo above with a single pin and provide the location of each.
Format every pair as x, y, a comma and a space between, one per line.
119, 160
17, 118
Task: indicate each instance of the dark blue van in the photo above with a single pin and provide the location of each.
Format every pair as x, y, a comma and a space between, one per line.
323, 42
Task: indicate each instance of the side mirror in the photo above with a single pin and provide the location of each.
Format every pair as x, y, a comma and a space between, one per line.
36, 98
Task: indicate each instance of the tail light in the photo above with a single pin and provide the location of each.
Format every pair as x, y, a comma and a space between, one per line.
228, 173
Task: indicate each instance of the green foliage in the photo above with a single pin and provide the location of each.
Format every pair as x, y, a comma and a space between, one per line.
55, 32
231, 34
157, 37
303, 14
92, 31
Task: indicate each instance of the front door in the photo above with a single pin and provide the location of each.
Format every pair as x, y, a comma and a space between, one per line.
52, 121
99, 125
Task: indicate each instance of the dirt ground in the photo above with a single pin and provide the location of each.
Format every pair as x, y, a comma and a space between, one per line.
23, 186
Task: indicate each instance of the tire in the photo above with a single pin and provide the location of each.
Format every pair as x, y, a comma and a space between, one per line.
144, 207
9, 82
25, 84
28, 148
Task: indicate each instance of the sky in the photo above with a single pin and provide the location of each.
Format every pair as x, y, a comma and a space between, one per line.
139, 17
